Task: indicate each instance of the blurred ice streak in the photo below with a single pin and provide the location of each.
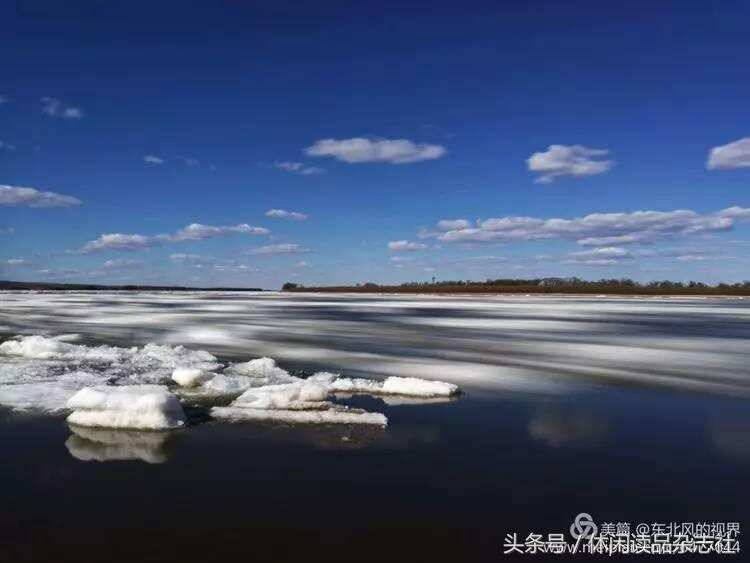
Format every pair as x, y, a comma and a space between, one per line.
485, 343
98, 444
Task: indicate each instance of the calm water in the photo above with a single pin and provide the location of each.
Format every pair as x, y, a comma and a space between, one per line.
631, 410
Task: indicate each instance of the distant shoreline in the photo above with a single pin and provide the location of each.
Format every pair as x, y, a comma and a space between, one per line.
43, 286
523, 290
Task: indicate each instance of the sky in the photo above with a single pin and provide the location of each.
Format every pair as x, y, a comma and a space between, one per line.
254, 143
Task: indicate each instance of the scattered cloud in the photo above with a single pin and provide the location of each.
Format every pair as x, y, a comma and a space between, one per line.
31, 197
604, 252
360, 149
231, 267
117, 241
405, 246
7, 230
6, 146
153, 159
303, 264
194, 231
574, 161
596, 229
197, 231
283, 214
732, 155
604, 256
3, 100
189, 161
452, 224
299, 168
286, 248
189, 258
55, 108
120, 264
16, 262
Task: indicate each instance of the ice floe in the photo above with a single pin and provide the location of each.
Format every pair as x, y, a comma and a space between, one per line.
335, 415
190, 377
408, 386
129, 388
140, 407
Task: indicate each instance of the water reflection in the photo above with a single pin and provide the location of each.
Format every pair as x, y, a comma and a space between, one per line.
96, 444
731, 437
561, 428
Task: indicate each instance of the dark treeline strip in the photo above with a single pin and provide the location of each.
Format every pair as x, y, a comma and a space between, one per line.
95, 287
541, 285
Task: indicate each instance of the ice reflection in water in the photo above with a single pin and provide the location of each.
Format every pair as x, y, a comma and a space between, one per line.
568, 429
98, 444
486, 344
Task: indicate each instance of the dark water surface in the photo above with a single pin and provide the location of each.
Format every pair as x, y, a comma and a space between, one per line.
444, 481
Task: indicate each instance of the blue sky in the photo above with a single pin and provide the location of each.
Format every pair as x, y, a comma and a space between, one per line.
374, 122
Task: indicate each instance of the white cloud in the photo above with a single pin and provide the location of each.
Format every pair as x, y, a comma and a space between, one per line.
405, 246
599, 229
119, 264
732, 155
303, 264
593, 261
16, 262
189, 161
401, 259
360, 149
604, 252
605, 256
452, 224
283, 214
286, 248
7, 146
56, 108
235, 268
31, 197
299, 168
194, 231
118, 241
189, 258
573, 161
153, 159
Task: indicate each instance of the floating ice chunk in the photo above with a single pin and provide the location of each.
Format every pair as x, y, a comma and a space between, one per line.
324, 378
96, 444
303, 401
356, 385
409, 386
150, 356
294, 396
334, 415
222, 384
179, 356
41, 347
261, 368
143, 407
416, 387
190, 377
47, 395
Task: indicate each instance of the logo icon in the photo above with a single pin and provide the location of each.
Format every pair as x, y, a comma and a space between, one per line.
583, 528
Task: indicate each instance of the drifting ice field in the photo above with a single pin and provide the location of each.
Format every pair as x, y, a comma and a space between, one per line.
488, 345
325, 427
